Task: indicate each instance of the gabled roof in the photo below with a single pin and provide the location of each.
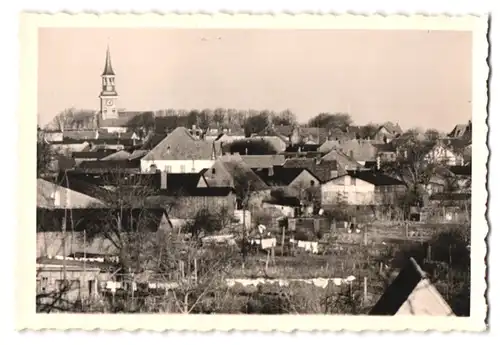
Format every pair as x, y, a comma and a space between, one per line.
263, 161
92, 154
137, 154
284, 130
84, 183
375, 178
392, 128
317, 134
46, 196
117, 156
362, 150
272, 132
110, 165
411, 293
242, 173
321, 169
94, 182
344, 162
281, 176
97, 219
181, 145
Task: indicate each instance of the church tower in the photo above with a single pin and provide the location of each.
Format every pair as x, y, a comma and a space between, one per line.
108, 95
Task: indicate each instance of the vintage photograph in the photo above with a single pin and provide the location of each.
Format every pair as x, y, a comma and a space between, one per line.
219, 170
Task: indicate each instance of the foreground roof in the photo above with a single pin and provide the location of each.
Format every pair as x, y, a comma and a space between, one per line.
411, 293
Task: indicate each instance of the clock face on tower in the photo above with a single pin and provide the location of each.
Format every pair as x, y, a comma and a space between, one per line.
109, 102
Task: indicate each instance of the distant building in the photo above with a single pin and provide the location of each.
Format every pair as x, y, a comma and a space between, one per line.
109, 117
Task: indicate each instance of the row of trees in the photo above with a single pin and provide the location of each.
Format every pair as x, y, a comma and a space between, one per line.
252, 121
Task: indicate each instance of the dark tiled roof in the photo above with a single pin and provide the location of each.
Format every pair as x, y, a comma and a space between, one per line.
92, 154
392, 128
110, 165
284, 130
263, 161
97, 219
303, 148
450, 196
198, 192
82, 183
389, 147
179, 181
181, 145
322, 169
137, 154
79, 135
242, 173
124, 142
316, 134
281, 176
464, 170
375, 178
455, 144
117, 156
362, 150
101, 179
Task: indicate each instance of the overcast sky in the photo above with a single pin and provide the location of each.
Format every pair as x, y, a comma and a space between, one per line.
416, 78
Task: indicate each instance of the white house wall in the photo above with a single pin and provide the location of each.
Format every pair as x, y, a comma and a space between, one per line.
177, 166
443, 154
342, 189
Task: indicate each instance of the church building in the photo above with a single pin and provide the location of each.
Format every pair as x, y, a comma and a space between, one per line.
109, 118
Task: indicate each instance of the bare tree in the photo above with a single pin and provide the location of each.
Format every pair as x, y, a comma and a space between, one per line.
44, 154
285, 118
73, 119
331, 121
411, 165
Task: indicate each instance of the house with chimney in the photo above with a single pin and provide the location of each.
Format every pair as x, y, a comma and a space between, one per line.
181, 152
183, 195
359, 150
387, 132
447, 151
231, 171
361, 188
462, 131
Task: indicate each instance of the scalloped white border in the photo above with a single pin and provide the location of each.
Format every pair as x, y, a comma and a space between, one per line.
28, 319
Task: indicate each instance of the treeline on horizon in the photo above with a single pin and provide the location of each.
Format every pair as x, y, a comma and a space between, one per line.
251, 120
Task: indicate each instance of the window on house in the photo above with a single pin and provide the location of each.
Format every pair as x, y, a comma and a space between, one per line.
183, 168
213, 170
168, 168
353, 181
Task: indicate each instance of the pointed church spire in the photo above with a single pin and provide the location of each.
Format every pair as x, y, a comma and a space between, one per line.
108, 69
